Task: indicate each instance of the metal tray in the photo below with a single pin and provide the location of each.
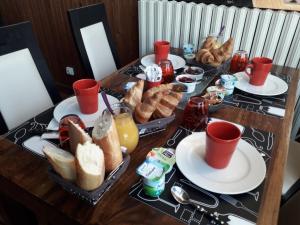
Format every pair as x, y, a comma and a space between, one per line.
154, 126
91, 197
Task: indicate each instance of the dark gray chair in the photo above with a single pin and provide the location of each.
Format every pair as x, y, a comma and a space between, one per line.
26, 87
94, 40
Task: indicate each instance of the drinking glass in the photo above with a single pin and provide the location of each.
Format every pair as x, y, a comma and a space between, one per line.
239, 61
64, 129
127, 129
167, 71
195, 115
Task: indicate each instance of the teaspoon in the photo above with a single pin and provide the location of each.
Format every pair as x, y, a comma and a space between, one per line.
181, 196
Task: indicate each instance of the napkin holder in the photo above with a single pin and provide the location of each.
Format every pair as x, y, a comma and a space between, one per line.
91, 197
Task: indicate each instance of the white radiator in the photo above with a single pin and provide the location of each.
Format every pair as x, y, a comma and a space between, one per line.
270, 33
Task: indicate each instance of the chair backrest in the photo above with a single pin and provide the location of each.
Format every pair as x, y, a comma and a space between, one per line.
94, 40
26, 87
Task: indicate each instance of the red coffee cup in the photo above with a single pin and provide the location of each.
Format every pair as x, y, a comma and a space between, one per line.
161, 50
260, 68
221, 141
86, 91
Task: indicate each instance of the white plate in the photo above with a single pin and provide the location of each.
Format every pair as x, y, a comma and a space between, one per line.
176, 60
70, 106
245, 171
272, 86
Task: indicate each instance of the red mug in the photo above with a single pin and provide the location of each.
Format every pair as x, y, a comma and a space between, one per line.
260, 68
86, 91
221, 141
161, 50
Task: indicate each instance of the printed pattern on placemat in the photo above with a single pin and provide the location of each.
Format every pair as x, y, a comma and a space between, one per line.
259, 104
239, 209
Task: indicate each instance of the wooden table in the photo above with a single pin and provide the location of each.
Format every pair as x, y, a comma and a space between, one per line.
23, 176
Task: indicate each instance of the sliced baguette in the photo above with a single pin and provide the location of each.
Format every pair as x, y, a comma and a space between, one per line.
90, 166
77, 136
63, 162
106, 136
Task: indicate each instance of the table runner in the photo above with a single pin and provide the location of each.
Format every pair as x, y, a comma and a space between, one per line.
241, 209
260, 104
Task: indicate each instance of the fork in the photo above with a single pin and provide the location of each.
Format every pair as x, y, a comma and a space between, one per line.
237, 204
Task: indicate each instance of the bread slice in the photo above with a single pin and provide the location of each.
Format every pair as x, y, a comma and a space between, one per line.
63, 162
106, 136
90, 166
77, 136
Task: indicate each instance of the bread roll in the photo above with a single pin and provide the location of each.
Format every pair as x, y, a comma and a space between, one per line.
77, 136
106, 136
134, 95
63, 162
144, 111
90, 166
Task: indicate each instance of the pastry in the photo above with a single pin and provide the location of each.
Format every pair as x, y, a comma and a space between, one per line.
134, 95
144, 110
215, 56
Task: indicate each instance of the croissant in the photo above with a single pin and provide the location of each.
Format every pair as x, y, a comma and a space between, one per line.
160, 88
210, 43
209, 54
204, 56
143, 111
167, 104
134, 95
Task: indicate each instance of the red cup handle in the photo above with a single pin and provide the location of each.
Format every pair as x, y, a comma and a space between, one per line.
249, 66
99, 84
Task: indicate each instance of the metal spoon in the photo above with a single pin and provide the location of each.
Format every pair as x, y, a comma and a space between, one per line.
181, 196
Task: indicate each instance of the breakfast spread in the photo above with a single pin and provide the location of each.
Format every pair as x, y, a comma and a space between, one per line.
213, 54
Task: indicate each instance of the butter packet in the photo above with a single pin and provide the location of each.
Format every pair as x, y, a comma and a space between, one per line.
166, 157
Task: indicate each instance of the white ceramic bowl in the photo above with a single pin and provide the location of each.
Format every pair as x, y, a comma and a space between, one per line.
195, 71
191, 85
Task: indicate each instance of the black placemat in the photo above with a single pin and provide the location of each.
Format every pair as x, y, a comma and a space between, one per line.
38, 124
259, 104
241, 208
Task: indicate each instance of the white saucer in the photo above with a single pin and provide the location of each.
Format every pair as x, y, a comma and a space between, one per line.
70, 106
176, 60
246, 170
272, 86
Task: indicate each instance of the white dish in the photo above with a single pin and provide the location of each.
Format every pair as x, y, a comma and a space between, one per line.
189, 85
176, 60
272, 86
245, 171
70, 106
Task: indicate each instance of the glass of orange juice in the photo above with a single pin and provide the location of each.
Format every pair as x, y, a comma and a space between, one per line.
127, 130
